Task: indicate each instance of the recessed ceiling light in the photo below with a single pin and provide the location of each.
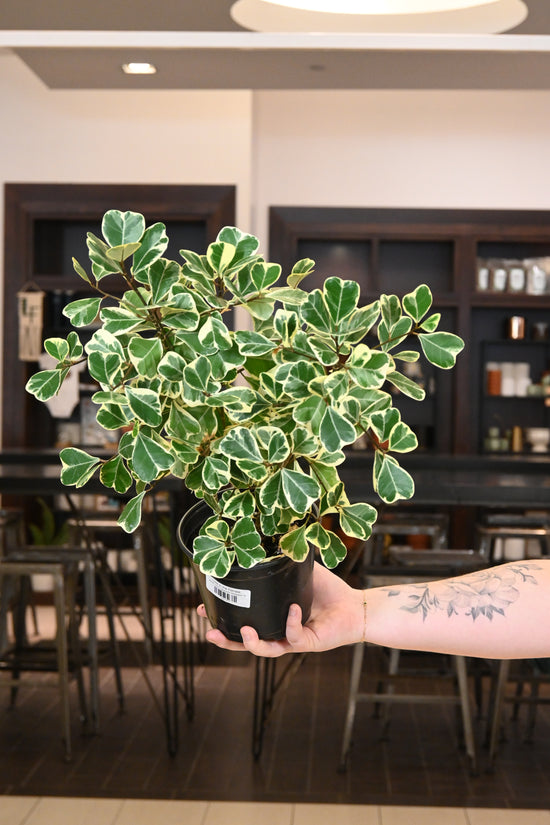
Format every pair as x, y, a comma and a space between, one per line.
139, 68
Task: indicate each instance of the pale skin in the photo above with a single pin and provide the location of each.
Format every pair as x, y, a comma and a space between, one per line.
499, 613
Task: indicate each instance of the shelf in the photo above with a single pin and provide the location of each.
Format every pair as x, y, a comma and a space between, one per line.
514, 300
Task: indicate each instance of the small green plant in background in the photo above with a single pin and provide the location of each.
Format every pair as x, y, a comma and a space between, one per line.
254, 421
47, 533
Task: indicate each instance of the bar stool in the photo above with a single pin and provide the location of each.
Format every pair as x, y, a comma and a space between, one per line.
433, 525
443, 563
520, 672
18, 658
512, 526
93, 532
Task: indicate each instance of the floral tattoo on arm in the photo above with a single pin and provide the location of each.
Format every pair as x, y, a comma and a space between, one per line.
482, 593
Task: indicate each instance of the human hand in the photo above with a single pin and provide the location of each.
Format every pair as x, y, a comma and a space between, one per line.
336, 619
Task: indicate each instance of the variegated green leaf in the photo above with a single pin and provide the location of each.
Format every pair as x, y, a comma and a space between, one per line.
145, 405
300, 490
252, 344
237, 504
171, 366
431, 323
239, 443
115, 474
402, 438
294, 544
105, 367
357, 519
77, 466
264, 275
247, 543
83, 312
272, 494
215, 472
315, 312
58, 348
390, 309
152, 246
145, 355
130, 518
391, 481
46, 383
309, 412
335, 430
417, 303
120, 228
332, 548
112, 417
441, 348
118, 320
300, 269
406, 385
212, 556
341, 298
150, 459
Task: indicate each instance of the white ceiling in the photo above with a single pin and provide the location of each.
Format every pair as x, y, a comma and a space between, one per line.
195, 44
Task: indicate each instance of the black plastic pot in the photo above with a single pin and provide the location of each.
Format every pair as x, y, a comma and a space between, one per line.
259, 597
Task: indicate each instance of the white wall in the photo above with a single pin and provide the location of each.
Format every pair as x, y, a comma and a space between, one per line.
379, 148
407, 149
123, 137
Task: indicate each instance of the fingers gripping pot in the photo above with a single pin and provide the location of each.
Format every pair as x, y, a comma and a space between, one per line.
258, 597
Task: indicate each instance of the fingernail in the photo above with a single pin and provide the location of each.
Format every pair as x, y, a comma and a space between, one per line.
293, 611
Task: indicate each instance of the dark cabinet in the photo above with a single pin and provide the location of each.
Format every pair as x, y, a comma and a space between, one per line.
482, 266
45, 226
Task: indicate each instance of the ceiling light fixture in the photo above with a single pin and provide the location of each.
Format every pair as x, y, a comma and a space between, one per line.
381, 6
380, 16
139, 68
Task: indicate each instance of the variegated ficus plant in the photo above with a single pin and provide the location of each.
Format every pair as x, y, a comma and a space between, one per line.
254, 420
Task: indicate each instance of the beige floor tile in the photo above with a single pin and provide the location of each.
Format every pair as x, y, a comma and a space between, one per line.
396, 815
165, 811
248, 813
491, 816
64, 811
331, 814
15, 809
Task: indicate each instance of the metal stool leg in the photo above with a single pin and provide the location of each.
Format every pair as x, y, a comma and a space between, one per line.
503, 673
465, 706
143, 592
62, 658
356, 667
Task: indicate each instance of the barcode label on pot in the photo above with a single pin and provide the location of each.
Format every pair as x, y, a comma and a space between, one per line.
240, 598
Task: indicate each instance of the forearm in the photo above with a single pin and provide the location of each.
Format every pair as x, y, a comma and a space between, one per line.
502, 612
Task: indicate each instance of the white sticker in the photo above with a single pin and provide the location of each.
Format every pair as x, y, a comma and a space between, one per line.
240, 598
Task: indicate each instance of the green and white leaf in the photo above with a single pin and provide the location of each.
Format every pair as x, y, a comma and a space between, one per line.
391, 481
115, 474
441, 348
83, 312
357, 519
294, 544
149, 459
130, 518
77, 466
46, 383
417, 303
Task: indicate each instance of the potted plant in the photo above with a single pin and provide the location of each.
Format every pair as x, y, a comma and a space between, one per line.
255, 421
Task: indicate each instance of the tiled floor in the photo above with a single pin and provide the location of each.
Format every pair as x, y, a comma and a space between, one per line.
23, 810
416, 775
